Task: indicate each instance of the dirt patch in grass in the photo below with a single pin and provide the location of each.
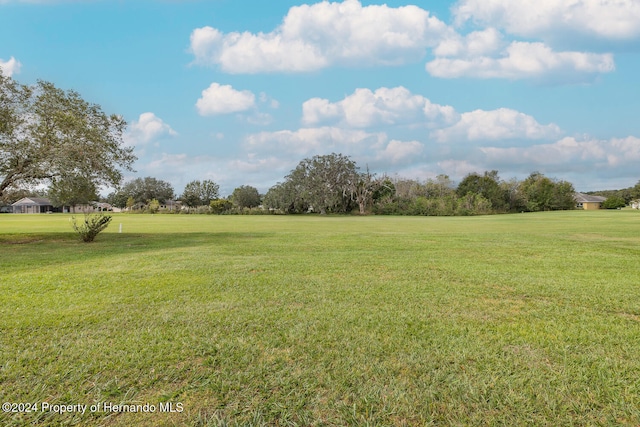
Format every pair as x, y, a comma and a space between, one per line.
22, 241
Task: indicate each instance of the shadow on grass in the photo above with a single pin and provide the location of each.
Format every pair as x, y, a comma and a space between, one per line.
45, 249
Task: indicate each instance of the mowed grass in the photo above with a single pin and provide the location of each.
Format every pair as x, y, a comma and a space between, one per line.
525, 319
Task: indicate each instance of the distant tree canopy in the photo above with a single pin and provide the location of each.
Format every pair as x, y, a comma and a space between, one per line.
323, 183
544, 194
142, 191
487, 186
332, 184
200, 193
49, 134
246, 196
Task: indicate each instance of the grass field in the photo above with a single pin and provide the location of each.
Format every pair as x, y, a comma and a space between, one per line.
525, 319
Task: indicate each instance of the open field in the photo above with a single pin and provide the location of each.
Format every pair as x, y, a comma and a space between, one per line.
526, 319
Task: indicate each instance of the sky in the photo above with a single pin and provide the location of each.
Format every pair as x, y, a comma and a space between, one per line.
240, 91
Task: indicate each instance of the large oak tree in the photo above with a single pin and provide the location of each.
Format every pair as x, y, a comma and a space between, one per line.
47, 133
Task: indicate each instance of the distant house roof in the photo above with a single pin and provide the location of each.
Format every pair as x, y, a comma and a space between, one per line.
587, 198
33, 201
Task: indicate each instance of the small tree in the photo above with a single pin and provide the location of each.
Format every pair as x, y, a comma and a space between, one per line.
130, 203
199, 193
92, 226
154, 206
614, 202
246, 196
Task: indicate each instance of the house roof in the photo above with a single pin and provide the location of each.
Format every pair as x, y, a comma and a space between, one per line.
587, 198
32, 201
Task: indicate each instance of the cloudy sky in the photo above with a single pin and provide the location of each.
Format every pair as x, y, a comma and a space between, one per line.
239, 91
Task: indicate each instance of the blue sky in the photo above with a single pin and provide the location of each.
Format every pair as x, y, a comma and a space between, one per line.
241, 91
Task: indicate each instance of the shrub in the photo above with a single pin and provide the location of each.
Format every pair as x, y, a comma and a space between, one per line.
93, 224
220, 206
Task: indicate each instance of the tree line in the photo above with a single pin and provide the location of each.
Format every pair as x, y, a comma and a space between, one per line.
51, 136
333, 184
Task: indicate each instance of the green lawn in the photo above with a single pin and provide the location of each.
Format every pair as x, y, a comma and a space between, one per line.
524, 319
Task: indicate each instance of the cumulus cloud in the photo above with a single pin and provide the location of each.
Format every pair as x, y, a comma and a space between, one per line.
147, 128
606, 19
310, 141
500, 124
520, 60
384, 106
399, 151
313, 37
224, 99
373, 148
10, 67
477, 43
571, 151
459, 168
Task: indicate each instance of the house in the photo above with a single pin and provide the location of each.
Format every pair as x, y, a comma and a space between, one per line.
103, 207
588, 202
88, 208
33, 205
635, 204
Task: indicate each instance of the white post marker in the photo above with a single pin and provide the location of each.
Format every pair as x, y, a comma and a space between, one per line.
120, 230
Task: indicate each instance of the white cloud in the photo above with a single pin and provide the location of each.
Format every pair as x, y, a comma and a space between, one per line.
147, 128
224, 99
310, 141
385, 106
518, 61
229, 173
366, 148
571, 153
10, 67
398, 151
459, 168
313, 37
260, 119
606, 19
500, 124
477, 43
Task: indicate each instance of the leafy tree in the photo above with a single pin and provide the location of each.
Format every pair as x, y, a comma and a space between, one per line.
614, 202
47, 133
220, 206
199, 193
154, 205
325, 182
142, 191
487, 185
246, 196
130, 203
286, 197
563, 196
409, 188
71, 191
363, 189
439, 187
119, 199
544, 194
384, 191
12, 195
513, 196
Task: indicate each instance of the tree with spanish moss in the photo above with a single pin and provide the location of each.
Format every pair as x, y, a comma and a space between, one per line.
48, 134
